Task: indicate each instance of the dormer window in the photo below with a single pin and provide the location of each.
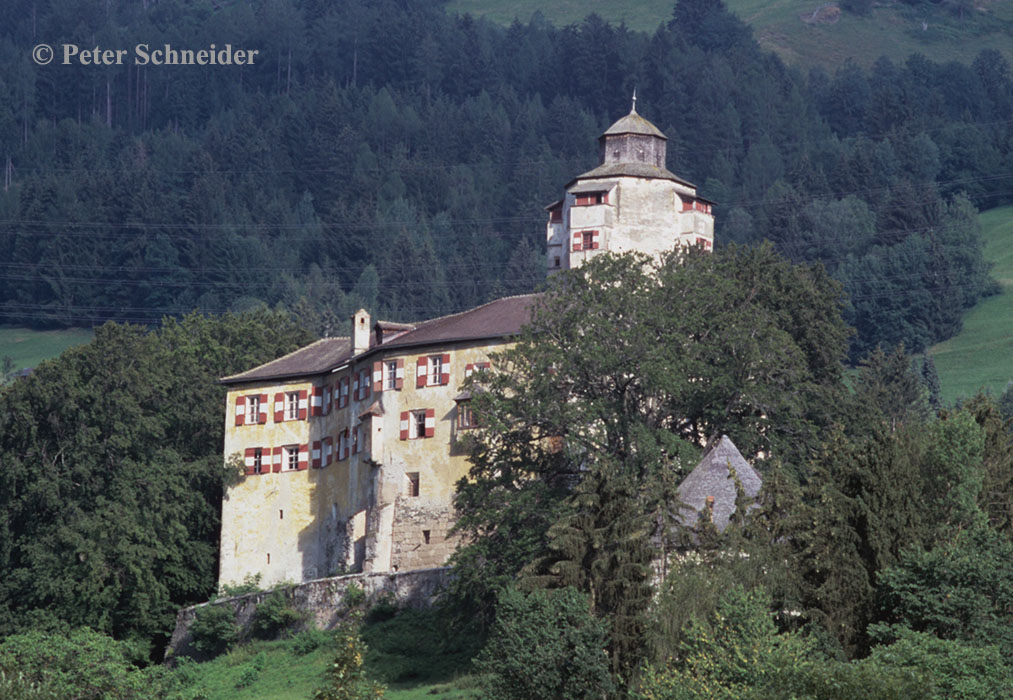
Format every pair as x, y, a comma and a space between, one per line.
587, 199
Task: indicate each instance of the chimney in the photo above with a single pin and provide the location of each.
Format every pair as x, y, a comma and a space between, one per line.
360, 331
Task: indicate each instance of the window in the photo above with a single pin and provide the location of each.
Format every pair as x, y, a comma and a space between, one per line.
418, 424
425, 536
588, 240
391, 375
258, 460
292, 405
585, 240
413, 484
587, 199
292, 457
432, 370
253, 409
364, 387
557, 261
465, 418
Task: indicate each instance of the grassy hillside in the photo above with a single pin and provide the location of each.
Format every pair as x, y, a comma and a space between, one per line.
803, 32
982, 354
27, 348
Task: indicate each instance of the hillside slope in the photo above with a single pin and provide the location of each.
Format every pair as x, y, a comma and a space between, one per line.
802, 32
981, 355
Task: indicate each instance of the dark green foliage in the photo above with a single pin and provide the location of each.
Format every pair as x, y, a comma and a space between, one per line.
112, 481
930, 380
274, 616
310, 640
545, 645
960, 590
954, 670
81, 664
214, 630
418, 646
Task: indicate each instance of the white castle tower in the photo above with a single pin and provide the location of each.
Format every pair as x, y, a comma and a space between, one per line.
631, 202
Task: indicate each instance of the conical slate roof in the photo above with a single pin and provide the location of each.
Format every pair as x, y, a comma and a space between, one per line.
712, 477
633, 123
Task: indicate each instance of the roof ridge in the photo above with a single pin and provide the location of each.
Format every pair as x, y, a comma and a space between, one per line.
282, 357
475, 308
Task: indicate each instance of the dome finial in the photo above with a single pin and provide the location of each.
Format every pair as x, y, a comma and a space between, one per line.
633, 109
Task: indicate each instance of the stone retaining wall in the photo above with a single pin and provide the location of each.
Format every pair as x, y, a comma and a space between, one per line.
322, 600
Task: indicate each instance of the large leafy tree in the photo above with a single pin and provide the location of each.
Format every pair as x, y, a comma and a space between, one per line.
112, 476
623, 373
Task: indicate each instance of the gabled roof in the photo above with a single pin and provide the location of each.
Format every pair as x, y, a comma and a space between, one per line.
712, 477
497, 319
317, 357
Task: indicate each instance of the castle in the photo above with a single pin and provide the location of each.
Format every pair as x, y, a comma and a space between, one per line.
350, 446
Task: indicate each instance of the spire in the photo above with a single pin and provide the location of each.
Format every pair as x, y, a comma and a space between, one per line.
633, 109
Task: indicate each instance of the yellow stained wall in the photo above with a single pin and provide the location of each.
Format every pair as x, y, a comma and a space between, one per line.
356, 513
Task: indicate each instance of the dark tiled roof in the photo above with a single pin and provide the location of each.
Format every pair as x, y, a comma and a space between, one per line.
315, 358
580, 188
633, 123
712, 478
499, 318
634, 169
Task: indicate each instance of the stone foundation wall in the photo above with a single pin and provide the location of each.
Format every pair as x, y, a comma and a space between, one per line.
322, 600
421, 535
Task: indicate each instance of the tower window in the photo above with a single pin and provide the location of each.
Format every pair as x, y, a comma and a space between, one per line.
588, 241
413, 484
587, 199
557, 261
425, 536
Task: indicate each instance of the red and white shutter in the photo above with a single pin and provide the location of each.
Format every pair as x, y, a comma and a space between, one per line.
578, 241
377, 376
304, 457
399, 375
405, 423
355, 388
264, 406
279, 407
445, 378
328, 448
430, 422
317, 401
594, 240
343, 401
421, 372
468, 369
276, 459
240, 410
248, 459
303, 404
318, 454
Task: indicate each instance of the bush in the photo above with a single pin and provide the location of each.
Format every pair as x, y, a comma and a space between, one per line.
273, 616
214, 629
545, 645
250, 584
384, 608
354, 595
346, 678
310, 640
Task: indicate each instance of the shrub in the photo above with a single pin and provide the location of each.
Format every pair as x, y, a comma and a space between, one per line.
250, 584
346, 678
214, 629
545, 645
354, 595
273, 616
384, 608
310, 640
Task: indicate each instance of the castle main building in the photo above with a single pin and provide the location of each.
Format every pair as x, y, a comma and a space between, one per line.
350, 446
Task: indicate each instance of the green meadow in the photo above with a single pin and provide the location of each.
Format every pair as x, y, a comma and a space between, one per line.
801, 32
981, 355
27, 348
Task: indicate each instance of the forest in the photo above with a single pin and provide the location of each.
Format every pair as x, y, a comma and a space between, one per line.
383, 154
388, 155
